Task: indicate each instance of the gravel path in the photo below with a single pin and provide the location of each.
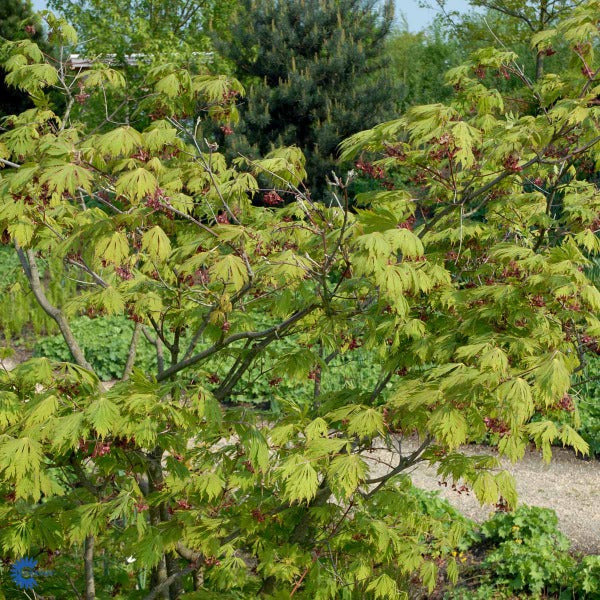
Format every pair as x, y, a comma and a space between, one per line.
568, 485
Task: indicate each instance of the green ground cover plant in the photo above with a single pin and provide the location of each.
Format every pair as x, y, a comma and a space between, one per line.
523, 554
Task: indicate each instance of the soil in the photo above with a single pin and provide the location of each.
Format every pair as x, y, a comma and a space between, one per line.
568, 485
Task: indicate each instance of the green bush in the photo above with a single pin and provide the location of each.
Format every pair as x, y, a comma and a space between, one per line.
105, 341
16, 308
530, 565
524, 555
531, 554
588, 402
485, 591
433, 505
526, 523
10, 267
589, 410
587, 576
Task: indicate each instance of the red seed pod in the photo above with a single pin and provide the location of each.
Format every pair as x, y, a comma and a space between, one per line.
272, 199
496, 425
396, 152
258, 515
480, 71
370, 170
101, 449
511, 163
537, 301
354, 344
408, 224
123, 272
502, 505
566, 403
587, 72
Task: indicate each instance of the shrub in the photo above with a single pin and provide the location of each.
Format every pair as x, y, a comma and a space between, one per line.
19, 312
530, 553
526, 523
587, 576
588, 403
433, 505
523, 553
589, 411
105, 342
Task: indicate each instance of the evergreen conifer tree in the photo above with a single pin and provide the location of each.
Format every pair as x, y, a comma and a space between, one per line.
315, 72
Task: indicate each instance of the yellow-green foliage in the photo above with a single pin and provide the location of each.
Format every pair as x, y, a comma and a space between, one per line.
469, 297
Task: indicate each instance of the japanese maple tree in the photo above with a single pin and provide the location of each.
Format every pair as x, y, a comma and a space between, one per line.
465, 291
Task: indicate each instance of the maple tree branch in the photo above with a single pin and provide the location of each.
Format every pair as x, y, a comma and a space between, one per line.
501, 8
235, 375
404, 464
164, 585
84, 267
275, 331
132, 351
8, 163
188, 553
27, 260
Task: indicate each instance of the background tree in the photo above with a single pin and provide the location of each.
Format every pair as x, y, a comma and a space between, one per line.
315, 72
512, 22
419, 62
154, 27
17, 21
149, 32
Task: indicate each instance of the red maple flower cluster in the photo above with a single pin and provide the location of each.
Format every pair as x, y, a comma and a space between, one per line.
370, 169
272, 198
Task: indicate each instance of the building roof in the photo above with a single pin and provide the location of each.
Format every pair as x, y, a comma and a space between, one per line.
78, 61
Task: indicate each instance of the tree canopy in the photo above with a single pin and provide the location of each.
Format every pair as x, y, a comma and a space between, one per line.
17, 21
512, 23
154, 27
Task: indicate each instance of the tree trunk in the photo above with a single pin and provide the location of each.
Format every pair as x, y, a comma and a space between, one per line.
88, 559
539, 66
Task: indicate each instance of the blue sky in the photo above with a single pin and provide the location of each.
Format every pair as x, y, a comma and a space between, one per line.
416, 16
